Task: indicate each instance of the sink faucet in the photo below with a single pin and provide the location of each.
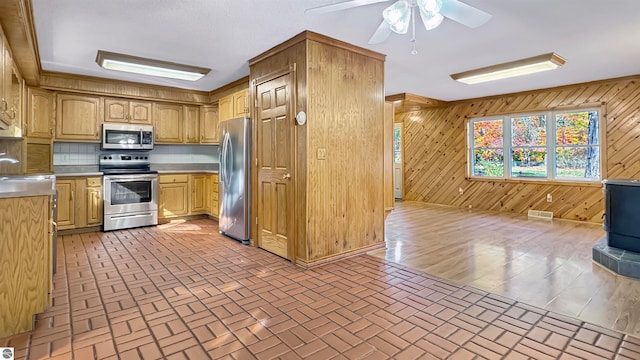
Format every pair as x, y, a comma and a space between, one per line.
8, 159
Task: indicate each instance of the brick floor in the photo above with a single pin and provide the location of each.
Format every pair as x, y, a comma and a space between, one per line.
181, 291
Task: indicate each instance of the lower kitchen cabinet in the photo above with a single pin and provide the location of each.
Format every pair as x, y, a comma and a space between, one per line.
188, 194
25, 255
79, 202
174, 195
214, 196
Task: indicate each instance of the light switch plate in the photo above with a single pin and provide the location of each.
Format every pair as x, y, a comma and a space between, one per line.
322, 154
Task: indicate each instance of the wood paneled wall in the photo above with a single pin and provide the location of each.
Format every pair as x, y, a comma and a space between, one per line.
339, 200
435, 147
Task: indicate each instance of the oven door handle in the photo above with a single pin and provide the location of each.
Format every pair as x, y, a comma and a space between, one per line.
130, 177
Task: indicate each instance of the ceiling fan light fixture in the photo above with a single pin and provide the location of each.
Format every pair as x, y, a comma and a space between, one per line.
526, 66
398, 16
144, 66
431, 20
430, 6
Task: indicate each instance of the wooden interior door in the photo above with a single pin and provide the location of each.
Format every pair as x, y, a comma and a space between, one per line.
274, 193
397, 161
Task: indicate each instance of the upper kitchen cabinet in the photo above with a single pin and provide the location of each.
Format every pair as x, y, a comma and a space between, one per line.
126, 111
169, 123
209, 125
40, 114
192, 124
234, 105
78, 117
11, 86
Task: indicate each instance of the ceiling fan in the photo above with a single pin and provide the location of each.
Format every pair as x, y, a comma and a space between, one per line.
401, 14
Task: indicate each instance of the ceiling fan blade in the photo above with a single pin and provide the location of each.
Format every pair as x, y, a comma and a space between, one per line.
341, 6
381, 34
464, 14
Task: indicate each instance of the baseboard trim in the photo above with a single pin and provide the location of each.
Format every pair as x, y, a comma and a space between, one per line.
332, 258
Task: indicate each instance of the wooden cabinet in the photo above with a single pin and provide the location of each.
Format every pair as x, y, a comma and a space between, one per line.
213, 196
209, 128
192, 124
241, 103
234, 105
174, 195
25, 255
78, 117
5, 79
199, 197
93, 201
40, 114
127, 111
168, 120
39, 131
11, 97
80, 202
66, 203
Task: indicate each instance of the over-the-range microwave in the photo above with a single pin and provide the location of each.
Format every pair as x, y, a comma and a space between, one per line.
127, 136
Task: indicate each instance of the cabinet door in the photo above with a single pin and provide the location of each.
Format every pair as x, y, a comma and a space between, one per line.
40, 117
197, 194
66, 203
116, 110
207, 194
241, 103
94, 206
78, 117
225, 108
214, 195
192, 123
209, 125
38, 158
140, 112
5, 68
168, 123
174, 200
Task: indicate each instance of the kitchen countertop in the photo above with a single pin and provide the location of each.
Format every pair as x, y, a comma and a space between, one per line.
187, 171
32, 185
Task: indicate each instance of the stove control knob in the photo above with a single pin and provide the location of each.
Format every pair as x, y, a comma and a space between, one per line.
110, 158
136, 158
105, 158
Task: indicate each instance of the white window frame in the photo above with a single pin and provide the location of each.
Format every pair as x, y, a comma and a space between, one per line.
550, 146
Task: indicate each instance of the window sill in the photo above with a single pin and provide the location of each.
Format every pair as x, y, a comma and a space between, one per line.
538, 182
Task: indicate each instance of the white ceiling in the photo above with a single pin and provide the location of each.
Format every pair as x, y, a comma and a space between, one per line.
599, 39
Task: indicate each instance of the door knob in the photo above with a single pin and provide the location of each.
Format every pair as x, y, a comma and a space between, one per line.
286, 176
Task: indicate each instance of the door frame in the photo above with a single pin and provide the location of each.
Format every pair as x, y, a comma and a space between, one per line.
291, 106
398, 125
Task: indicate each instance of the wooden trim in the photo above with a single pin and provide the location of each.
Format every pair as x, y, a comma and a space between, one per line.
540, 109
343, 255
240, 84
541, 182
118, 88
312, 36
16, 19
412, 101
81, 230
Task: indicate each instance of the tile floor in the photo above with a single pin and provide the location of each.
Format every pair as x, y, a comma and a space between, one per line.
180, 291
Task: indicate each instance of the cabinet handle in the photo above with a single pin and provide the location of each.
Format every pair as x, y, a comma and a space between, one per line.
72, 195
51, 131
4, 105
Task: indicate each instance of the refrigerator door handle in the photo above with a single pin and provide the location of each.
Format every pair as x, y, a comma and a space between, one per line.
228, 162
223, 156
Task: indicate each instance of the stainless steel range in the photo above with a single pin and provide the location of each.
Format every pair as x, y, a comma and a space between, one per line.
130, 191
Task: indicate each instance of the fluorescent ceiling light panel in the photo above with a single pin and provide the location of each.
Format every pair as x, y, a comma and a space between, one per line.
514, 68
138, 65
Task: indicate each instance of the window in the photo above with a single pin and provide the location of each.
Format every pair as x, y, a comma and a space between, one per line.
562, 145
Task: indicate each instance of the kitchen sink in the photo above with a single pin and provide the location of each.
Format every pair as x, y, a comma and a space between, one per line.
32, 185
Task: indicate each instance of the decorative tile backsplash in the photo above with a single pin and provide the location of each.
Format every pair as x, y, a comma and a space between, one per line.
88, 154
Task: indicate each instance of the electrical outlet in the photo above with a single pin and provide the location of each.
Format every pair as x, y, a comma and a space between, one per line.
549, 198
460, 191
322, 154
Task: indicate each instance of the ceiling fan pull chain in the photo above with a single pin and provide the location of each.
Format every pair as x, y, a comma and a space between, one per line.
413, 30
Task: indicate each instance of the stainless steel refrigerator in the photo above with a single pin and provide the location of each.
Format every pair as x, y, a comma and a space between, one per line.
235, 138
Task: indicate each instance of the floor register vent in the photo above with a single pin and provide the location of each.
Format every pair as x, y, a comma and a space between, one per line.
539, 214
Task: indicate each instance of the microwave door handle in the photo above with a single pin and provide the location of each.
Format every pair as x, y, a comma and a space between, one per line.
141, 141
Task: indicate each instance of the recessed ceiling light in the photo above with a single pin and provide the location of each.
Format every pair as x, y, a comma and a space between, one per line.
144, 66
514, 68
